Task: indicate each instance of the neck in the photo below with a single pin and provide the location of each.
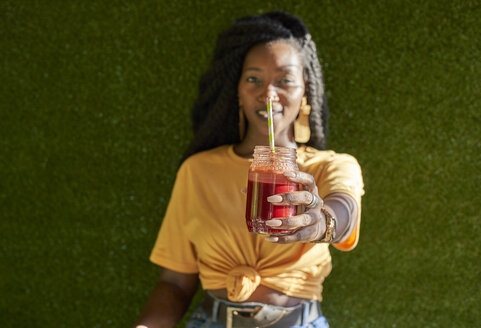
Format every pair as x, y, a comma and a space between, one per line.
246, 147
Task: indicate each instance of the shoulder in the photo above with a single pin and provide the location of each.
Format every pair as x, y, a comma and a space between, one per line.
209, 155
309, 156
334, 172
206, 159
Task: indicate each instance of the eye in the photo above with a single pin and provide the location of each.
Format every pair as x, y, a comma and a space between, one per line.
253, 79
286, 81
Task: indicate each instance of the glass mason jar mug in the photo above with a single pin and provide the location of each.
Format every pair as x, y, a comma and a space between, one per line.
266, 178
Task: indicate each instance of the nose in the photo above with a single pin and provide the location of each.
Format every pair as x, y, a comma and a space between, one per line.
269, 91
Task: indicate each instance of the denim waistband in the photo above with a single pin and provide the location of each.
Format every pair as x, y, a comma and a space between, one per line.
255, 314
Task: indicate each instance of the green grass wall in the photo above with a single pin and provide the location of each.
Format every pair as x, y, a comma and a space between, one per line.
94, 116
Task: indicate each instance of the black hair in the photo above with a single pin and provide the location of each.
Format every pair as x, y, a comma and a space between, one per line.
215, 113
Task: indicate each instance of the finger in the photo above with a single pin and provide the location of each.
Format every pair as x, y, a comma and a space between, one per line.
305, 234
306, 179
294, 222
316, 202
302, 197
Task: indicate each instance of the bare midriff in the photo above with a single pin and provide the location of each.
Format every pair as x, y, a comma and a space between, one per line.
265, 295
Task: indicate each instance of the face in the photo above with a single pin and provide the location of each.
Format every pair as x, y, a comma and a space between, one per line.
273, 69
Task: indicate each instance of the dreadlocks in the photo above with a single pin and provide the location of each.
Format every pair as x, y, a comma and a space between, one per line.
215, 113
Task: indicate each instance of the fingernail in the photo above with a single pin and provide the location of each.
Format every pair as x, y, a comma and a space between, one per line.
274, 223
272, 239
290, 174
274, 198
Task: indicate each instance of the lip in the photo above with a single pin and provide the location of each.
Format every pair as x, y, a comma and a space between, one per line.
262, 113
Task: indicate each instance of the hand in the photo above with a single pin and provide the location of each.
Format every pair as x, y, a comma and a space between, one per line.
308, 226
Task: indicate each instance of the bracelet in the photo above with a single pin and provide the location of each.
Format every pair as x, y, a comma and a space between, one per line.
330, 234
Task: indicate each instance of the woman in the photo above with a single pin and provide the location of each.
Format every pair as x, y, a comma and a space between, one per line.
252, 280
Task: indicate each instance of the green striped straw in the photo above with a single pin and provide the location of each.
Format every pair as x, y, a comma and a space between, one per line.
270, 124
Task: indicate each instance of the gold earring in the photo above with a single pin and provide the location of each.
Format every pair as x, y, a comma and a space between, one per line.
242, 124
302, 131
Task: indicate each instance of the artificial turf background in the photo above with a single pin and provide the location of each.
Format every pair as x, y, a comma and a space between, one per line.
94, 117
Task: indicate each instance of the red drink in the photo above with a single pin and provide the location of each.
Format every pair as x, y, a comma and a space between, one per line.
266, 178
258, 210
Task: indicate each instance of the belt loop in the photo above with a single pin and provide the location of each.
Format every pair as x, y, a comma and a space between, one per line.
215, 306
215, 310
305, 313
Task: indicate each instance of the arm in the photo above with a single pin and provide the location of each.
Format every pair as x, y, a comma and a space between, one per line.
344, 208
169, 300
311, 225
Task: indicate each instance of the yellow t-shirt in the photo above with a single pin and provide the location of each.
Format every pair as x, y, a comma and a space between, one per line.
204, 229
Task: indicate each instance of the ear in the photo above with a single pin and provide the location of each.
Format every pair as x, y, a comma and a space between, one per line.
239, 102
242, 123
